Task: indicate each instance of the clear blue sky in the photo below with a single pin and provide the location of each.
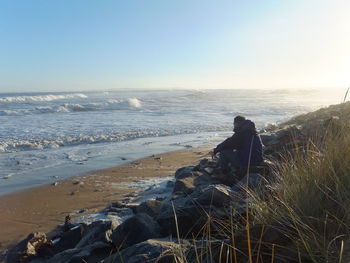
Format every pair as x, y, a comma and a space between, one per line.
97, 45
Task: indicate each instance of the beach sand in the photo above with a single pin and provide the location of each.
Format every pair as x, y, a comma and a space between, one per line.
43, 208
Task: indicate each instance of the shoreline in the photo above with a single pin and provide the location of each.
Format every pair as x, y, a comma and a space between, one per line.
42, 208
86, 160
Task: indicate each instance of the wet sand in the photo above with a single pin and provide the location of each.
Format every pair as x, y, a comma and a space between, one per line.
43, 208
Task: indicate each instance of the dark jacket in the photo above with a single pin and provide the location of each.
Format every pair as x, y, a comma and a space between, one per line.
245, 140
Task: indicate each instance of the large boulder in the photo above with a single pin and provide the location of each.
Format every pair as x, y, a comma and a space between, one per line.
92, 253
228, 179
184, 172
188, 215
187, 185
213, 195
68, 239
134, 230
184, 186
204, 180
35, 245
150, 251
97, 231
251, 181
206, 165
186, 220
150, 207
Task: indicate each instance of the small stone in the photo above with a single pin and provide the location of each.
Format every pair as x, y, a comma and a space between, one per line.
209, 170
81, 183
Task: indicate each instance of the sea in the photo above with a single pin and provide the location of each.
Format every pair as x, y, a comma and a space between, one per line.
47, 137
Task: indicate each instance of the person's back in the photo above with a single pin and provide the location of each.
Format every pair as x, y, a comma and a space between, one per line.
250, 151
243, 148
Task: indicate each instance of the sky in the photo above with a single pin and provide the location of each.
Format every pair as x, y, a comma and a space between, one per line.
80, 45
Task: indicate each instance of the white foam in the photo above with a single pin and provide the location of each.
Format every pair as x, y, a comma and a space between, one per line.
49, 97
12, 112
134, 102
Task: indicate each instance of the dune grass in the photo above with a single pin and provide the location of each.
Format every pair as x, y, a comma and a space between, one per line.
308, 200
310, 192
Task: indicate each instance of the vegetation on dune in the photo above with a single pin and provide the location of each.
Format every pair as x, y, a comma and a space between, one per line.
304, 215
310, 193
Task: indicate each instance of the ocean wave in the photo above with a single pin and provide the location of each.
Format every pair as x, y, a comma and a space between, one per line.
15, 144
127, 103
39, 98
109, 105
12, 112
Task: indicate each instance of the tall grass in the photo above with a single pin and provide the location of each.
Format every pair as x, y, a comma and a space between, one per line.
307, 202
310, 194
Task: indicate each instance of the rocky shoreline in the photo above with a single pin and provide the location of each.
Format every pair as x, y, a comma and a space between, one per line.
185, 223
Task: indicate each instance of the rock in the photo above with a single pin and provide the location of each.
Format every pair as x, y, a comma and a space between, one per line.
150, 251
204, 164
204, 180
134, 230
97, 231
79, 183
184, 186
216, 195
184, 172
192, 212
150, 207
228, 179
92, 253
209, 170
69, 239
188, 220
29, 248
121, 212
255, 180
117, 204
67, 223
170, 184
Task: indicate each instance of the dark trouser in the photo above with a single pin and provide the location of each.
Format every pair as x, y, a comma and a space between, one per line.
226, 158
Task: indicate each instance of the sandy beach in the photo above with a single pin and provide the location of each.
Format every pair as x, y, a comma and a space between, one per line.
43, 208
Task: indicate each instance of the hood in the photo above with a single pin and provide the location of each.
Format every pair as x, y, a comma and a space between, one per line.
245, 126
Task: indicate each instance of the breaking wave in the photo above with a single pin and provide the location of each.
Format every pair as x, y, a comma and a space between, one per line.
15, 144
110, 104
38, 98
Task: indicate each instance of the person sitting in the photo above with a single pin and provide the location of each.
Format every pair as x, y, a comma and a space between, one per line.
243, 149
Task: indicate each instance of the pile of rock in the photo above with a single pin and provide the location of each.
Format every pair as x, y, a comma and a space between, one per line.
155, 231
